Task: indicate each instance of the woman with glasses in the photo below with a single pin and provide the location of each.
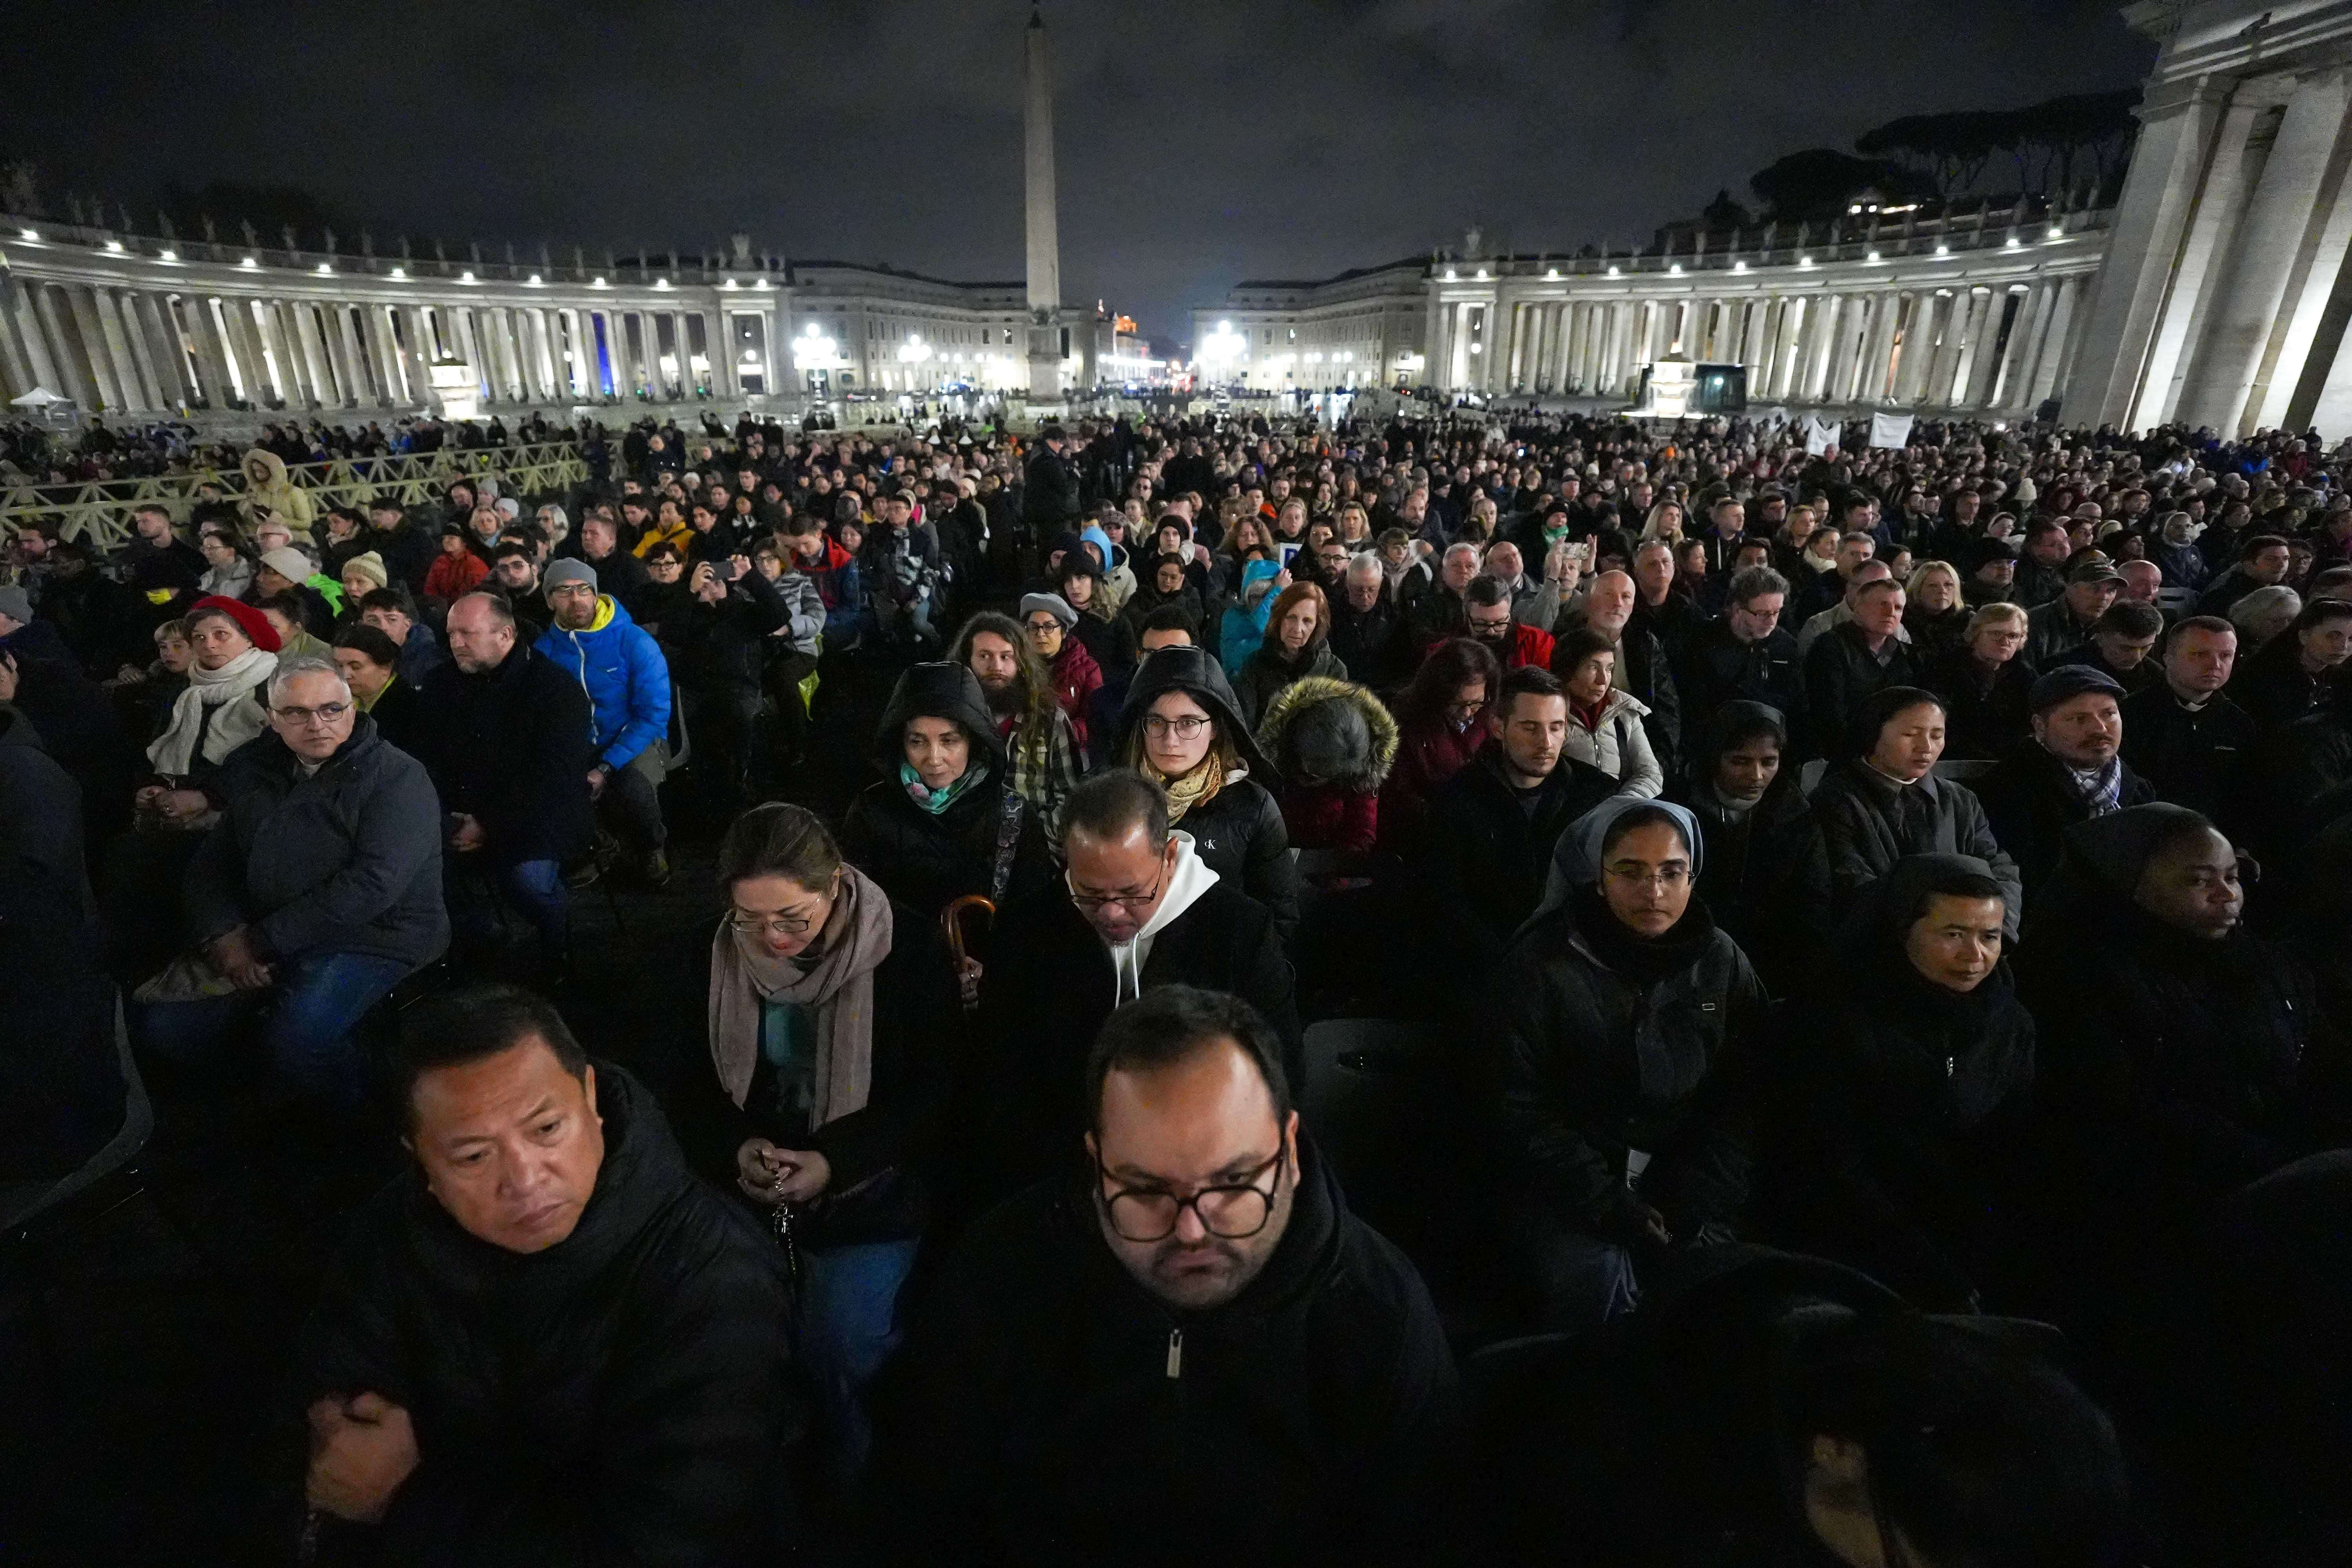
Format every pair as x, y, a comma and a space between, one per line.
829, 1016
1181, 729
943, 821
1621, 1014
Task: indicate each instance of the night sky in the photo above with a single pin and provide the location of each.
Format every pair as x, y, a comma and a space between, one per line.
1201, 142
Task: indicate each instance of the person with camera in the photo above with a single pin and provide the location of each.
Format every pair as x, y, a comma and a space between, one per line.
717, 645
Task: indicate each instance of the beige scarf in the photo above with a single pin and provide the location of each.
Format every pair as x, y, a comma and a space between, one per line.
834, 978
1197, 788
234, 722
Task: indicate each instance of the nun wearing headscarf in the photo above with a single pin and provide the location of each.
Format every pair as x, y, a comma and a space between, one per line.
1900, 1127
1623, 1018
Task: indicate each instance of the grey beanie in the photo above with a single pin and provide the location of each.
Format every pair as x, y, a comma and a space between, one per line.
566, 570
1053, 605
15, 603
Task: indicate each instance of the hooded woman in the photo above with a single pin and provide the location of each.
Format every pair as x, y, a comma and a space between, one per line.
1904, 1124
1765, 881
268, 490
1260, 582
1332, 743
1620, 1015
1181, 730
943, 820
2174, 1043
1887, 802
827, 1012
1297, 645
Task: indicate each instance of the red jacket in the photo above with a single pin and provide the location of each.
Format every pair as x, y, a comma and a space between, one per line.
1529, 645
1427, 755
1330, 816
451, 576
1075, 677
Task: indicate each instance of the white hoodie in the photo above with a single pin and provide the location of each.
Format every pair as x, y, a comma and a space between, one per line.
1187, 881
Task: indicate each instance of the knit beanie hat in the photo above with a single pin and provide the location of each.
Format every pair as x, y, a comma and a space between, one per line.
370, 567
250, 621
566, 569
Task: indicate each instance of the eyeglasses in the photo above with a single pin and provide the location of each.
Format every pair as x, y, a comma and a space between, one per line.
1230, 1210
1184, 728
325, 713
783, 923
1672, 874
1041, 628
1090, 902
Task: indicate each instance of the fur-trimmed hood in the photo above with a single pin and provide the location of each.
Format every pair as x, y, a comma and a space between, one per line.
1321, 730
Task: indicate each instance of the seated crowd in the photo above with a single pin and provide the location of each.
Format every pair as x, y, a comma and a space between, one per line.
1872, 928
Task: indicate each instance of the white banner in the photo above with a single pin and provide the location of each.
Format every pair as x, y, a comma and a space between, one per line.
1890, 429
1819, 434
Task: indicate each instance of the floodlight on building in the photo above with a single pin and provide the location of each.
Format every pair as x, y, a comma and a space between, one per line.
1612, 271
2057, 233
661, 282
1554, 273
2011, 242
1871, 256
326, 270
1449, 275
1676, 268
1804, 261
1478, 348
1740, 267
600, 283
33, 234
168, 255
400, 273
1482, 274
728, 284
763, 283
249, 261
1943, 250
535, 281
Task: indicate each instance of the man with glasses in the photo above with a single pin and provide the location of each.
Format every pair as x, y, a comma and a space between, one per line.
1189, 1326
1138, 909
319, 891
1745, 654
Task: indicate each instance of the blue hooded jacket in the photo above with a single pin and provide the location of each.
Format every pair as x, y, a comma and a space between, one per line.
621, 669
1245, 627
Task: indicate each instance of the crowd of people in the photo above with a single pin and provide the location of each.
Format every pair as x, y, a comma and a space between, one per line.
1874, 923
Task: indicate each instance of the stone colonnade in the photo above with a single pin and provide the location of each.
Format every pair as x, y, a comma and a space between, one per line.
1956, 338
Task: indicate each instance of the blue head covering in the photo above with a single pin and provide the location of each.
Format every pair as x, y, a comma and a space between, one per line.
1576, 863
1093, 534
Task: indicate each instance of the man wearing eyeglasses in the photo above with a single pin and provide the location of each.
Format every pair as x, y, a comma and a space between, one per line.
1188, 1335
1139, 909
320, 889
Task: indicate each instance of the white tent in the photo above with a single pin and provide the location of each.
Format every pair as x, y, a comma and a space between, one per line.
39, 397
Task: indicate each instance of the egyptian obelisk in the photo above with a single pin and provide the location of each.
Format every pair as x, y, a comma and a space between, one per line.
1044, 239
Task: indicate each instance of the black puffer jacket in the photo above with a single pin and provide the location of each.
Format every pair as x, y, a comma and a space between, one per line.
1841, 676
924, 859
624, 1394
1868, 823
1488, 855
1900, 1125
1239, 833
1268, 671
2171, 1063
1046, 1404
1982, 719
346, 860
1594, 1060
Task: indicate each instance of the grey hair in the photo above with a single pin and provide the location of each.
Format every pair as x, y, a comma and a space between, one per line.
1364, 563
1471, 549
290, 665
2276, 599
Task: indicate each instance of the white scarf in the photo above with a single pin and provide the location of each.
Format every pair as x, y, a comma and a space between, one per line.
234, 723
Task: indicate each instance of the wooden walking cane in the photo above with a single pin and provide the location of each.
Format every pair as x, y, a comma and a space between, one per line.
951, 926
